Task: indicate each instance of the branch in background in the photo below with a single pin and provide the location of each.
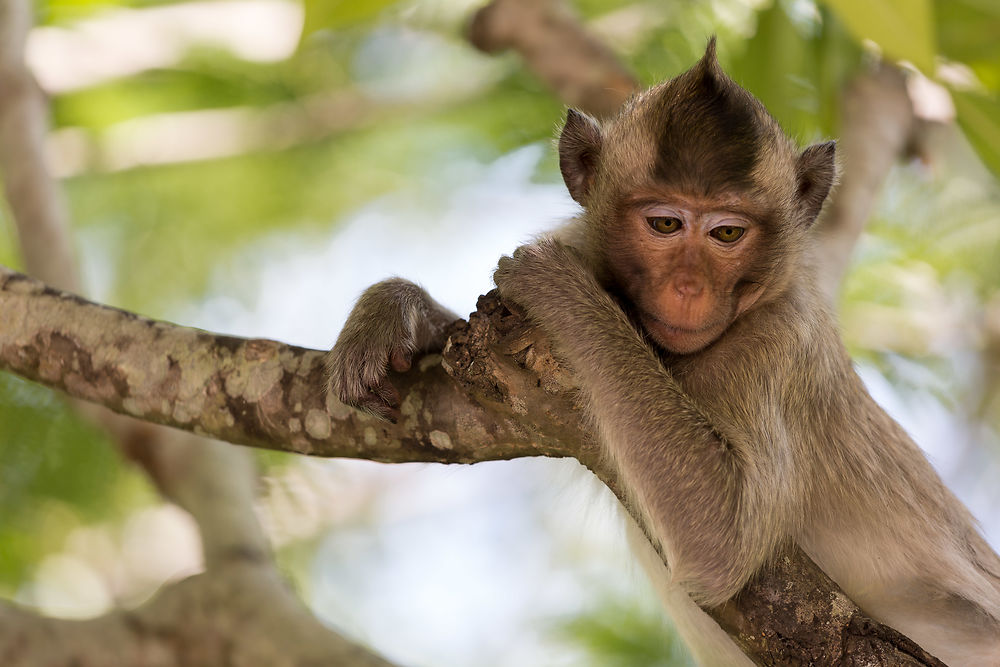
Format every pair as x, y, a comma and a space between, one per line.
243, 614
239, 611
507, 397
579, 68
35, 201
878, 127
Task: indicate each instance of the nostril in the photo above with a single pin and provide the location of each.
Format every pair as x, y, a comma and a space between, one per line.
688, 288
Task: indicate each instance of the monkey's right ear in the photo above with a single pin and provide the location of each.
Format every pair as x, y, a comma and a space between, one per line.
579, 150
816, 170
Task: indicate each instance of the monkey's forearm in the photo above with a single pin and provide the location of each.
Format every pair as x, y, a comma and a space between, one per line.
700, 493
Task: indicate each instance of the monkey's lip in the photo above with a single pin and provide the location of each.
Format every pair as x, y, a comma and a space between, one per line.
678, 339
648, 319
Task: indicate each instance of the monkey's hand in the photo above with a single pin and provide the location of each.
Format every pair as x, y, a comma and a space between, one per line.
544, 278
392, 321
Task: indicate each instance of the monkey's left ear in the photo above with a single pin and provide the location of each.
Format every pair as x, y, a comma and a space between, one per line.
815, 171
579, 150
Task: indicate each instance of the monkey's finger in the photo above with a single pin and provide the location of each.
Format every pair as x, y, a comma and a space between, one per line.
386, 393
400, 360
376, 407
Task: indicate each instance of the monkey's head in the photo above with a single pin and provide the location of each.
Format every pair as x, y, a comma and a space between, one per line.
696, 205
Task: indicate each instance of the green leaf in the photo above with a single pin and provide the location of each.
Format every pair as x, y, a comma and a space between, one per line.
903, 28
979, 116
779, 68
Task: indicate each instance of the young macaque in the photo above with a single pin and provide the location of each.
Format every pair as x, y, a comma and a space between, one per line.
684, 297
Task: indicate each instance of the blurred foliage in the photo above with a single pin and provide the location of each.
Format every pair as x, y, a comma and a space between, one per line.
338, 14
621, 633
903, 28
159, 231
58, 472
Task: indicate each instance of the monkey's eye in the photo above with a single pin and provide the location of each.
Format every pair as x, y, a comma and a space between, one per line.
727, 233
664, 224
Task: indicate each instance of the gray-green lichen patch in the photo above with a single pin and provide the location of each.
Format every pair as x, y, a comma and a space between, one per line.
318, 424
428, 361
184, 412
260, 371
441, 440
337, 410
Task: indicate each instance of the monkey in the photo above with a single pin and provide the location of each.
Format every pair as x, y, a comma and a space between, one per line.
684, 297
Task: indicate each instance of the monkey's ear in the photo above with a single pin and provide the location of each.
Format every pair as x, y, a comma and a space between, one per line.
816, 171
579, 149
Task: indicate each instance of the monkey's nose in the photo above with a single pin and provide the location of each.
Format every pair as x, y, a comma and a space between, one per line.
688, 287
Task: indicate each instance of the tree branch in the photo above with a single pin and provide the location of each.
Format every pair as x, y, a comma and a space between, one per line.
242, 614
507, 396
250, 391
36, 202
581, 69
878, 126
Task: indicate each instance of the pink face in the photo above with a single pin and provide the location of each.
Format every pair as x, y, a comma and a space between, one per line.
684, 263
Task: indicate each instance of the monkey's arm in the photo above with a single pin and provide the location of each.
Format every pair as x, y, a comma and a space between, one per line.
709, 500
392, 321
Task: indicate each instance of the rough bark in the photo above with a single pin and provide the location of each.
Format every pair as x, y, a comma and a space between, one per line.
249, 391
793, 614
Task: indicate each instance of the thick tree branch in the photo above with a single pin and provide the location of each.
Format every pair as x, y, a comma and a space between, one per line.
249, 391
258, 392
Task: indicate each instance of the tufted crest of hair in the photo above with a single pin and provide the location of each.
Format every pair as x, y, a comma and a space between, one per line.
710, 130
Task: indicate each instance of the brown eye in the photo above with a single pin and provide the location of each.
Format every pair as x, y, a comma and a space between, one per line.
664, 224
727, 234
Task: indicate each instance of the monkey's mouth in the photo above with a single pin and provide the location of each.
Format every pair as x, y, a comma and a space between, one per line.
679, 340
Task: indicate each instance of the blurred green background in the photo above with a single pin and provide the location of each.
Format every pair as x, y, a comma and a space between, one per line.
198, 141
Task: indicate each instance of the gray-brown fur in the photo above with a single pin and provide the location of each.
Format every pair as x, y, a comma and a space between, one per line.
732, 447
